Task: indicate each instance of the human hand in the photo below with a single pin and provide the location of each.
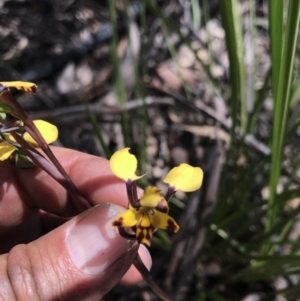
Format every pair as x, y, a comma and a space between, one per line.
81, 258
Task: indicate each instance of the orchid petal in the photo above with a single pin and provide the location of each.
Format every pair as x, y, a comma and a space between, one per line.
163, 221
185, 178
24, 86
152, 198
128, 218
47, 130
6, 149
124, 165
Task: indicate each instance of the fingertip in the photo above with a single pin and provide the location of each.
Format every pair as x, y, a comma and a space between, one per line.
133, 276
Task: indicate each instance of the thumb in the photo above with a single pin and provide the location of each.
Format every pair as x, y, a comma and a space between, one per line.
81, 260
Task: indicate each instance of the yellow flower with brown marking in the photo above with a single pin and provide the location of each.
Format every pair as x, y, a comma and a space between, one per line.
24, 86
150, 212
9, 145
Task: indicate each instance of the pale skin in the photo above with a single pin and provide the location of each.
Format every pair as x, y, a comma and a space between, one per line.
35, 216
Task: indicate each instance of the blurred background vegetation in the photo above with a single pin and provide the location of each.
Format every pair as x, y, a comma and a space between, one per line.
212, 83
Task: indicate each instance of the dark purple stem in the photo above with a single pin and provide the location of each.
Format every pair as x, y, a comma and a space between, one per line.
125, 234
38, 159
147, 277
34, 132
171, 191
132, 194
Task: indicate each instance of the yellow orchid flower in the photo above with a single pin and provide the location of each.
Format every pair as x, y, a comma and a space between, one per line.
151, 214
47, 130
148, 213
24, 86
146, 220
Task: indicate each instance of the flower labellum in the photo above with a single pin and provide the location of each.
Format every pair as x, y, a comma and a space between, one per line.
152, 198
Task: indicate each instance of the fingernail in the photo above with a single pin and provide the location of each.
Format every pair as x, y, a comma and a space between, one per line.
93, 243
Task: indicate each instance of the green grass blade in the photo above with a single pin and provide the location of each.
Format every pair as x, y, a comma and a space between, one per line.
282, 104
295, 93
260, 98
119, 85
276, 17
196, 14
98, 132
235, 47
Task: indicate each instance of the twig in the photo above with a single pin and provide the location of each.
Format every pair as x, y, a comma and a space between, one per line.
75, 112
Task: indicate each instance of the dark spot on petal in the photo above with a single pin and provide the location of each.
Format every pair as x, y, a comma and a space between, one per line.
33, 89
119, 222
162, 206
145, 234
171, 225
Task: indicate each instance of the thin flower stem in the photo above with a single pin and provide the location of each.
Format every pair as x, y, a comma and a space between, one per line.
13, 129
34, 132
79, 201
147, 277
171, 191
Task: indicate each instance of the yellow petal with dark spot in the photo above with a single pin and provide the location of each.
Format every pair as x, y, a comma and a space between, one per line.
164, 221
129, 218
152, 198
6, 149
124, 165
185, 178
47, 130
24, 86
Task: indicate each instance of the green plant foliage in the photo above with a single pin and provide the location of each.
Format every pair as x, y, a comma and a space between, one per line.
248, 234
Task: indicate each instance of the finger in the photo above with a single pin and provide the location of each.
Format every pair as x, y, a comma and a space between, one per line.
132, 276
91, 174
24, 191
34, 227
80, 260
